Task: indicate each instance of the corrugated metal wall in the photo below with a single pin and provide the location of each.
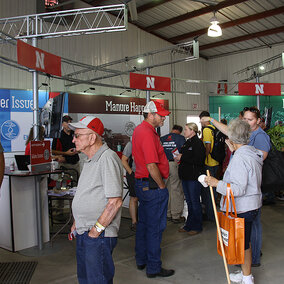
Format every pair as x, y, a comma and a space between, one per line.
101, 48
223, 68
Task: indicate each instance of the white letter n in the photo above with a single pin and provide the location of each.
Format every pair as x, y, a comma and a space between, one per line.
259, 89
150, 82
40, 60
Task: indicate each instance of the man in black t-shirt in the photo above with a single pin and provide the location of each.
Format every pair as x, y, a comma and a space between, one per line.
64, 149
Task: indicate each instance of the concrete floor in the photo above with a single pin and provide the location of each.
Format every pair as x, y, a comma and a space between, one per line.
194, 259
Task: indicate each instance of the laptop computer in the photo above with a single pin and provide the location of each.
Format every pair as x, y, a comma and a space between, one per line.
22, 162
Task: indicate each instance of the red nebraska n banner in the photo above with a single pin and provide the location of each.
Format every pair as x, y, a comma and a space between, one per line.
259, 89
38, 59
149, 82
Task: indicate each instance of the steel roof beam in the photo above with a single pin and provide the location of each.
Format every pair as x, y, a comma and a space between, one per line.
194, 14
233, 23
243, 38
151, 5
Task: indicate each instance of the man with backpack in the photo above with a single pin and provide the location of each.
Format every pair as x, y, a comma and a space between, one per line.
208, 133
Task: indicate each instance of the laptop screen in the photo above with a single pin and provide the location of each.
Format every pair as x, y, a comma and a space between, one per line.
22, 162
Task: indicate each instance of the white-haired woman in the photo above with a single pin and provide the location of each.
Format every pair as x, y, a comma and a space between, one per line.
244, 175
261, 141
190, 168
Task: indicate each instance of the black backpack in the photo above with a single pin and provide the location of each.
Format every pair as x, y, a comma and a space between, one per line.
273, 171
218, 152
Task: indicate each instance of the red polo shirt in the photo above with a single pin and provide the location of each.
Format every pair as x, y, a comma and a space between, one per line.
147, 149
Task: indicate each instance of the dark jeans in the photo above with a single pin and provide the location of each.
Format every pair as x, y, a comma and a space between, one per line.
192, 192
152, 221
206, 196
256, 238
250, 217
94, 259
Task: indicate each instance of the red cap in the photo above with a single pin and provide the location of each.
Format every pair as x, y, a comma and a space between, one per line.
156, 107
90, 122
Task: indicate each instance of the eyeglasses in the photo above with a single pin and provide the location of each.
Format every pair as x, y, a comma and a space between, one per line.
77, 135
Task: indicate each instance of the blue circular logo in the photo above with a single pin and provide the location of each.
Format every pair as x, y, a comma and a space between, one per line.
10, 129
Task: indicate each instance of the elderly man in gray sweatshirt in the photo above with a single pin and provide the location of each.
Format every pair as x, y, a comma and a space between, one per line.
244, 176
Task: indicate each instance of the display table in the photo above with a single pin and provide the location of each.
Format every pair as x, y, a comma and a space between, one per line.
24, 219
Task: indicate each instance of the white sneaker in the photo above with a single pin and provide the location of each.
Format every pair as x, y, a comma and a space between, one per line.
249, 281
236, 277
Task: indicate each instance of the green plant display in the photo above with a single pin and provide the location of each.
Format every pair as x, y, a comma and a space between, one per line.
276, 135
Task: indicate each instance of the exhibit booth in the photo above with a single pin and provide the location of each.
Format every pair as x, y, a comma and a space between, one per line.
22, 193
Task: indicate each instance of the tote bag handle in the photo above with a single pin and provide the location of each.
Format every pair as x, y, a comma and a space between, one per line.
227, 199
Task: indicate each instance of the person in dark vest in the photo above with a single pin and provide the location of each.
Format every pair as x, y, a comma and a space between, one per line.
64, 149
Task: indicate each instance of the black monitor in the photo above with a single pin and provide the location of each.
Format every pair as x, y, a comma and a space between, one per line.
51, 116
22, 162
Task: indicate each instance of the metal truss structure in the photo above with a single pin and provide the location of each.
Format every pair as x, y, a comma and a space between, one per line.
66, 23
74, 73
268, 66
166, 56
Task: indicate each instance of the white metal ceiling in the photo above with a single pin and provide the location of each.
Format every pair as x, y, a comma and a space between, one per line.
170, 9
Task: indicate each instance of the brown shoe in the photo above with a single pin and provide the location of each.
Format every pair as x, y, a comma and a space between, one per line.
192, 233
182, 230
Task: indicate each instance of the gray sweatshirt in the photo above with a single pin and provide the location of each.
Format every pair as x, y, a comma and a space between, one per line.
244, 173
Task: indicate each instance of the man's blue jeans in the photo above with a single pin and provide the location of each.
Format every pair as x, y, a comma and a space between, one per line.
192, 191
94, 259
256, 238
152, 221
206, 196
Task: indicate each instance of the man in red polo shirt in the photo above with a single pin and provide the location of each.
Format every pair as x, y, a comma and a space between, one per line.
152, 168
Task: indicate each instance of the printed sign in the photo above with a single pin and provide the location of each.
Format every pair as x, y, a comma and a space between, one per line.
40, 152
149, 82
225, 236
108, 104
16, 117
38, 59
259, 89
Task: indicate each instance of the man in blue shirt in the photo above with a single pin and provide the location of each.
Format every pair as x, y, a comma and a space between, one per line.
172, 142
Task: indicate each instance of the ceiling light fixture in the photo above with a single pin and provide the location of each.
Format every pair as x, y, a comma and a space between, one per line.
214, 30
92, 89
128, 90
194, 94
192, 81
140, 60
162, 94
261, 67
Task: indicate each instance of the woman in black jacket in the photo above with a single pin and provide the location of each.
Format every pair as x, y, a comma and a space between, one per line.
191, 166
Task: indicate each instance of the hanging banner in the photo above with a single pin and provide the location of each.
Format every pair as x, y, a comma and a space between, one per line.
259, 89
149, 82
38, 59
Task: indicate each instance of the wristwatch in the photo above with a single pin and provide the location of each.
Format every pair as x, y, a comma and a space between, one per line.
99, 230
